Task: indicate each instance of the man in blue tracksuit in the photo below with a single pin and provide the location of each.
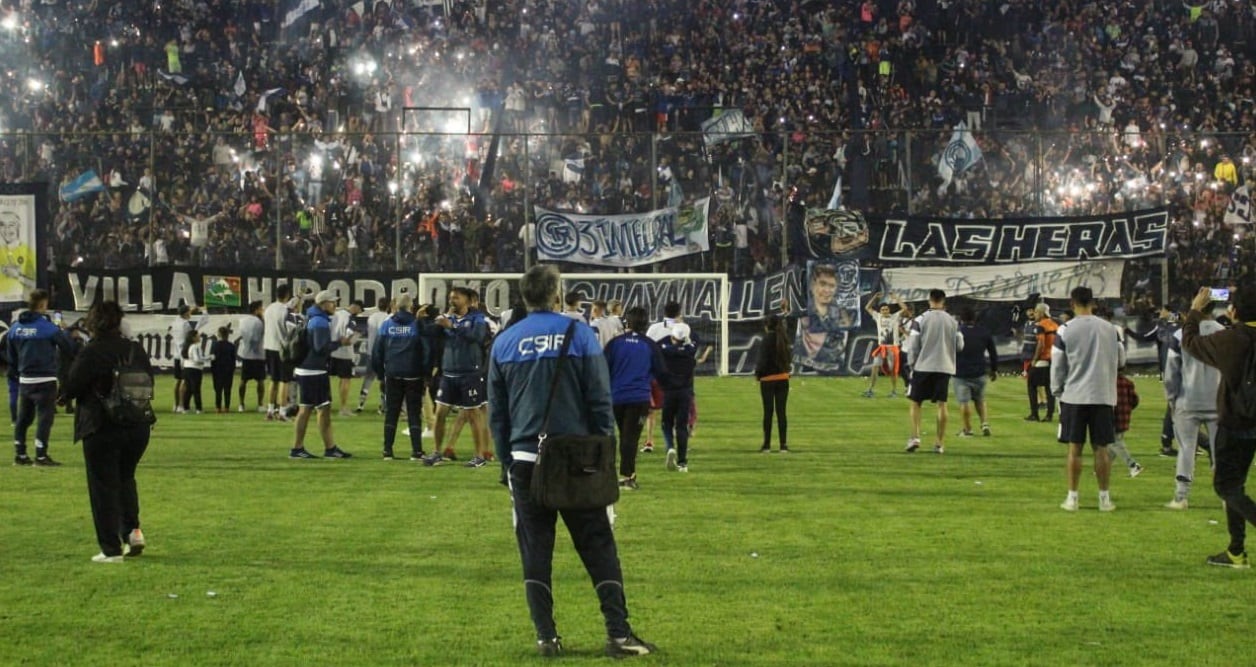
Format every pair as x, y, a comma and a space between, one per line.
401, 358
312, 380
522, 365
633, 359
31, 347
462, 375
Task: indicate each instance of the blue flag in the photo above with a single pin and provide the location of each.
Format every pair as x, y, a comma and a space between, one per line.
86, 183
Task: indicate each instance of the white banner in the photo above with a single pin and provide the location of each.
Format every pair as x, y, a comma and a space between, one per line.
622, 240
1239, 210
729, 125
17, 247
1053, 280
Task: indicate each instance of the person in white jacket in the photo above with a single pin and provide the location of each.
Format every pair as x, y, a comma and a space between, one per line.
195, 361
1190, 385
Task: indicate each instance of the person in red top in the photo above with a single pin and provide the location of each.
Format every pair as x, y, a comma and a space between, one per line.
1126, 401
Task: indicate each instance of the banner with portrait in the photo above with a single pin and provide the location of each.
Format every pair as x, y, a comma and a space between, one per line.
832, 314
21, 254
622, 240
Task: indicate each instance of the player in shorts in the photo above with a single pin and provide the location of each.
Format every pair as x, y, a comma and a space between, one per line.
933, 343
888, 343
462, 382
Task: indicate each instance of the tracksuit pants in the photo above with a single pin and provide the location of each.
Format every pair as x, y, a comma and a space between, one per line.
35, 399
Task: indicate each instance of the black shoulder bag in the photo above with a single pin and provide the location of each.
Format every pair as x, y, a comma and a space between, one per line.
572, 472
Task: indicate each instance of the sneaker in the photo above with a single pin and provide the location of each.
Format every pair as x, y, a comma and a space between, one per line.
260, 409
648, 448
912, 445
1069, 505
346, 412
270, 416
23, 460
1136, 470
102, 558
893, 393
1178, 504
985, 430
682, 468
336, 453
784, 449
434, 460
45, 462
549, 648
135, 543
476, 462
938, 448
281, 417
629, 483
765, 450
966, 433
301, 453
1106, 505
358, 409
634, 645
417, 456
388, 455
1032, 418
671, 459
1226, 559
868, 394
1168, 452
427, 433
240, 409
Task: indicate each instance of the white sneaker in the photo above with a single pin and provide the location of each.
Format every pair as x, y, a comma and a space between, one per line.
102, 558
671, 459
1135, 470
682, 468
406, 431
1069, 505
912, 445
240, 408
939, 449
1105, 505
346, 412
427, 433
1178, 504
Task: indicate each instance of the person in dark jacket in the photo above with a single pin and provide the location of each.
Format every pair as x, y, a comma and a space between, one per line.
772, 372
1230, 351
111, 452
972, 369
312, 380
522, 364
32, 346
633, 359
401, 357
465, 331
222, 369
679, 355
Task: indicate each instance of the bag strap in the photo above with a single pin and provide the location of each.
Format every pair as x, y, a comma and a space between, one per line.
558, 370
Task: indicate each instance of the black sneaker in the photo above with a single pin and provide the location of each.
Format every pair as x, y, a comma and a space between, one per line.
23, 460
628, 646
477, 462
301, 453
417, 456
1227, 559
388, 455
629, 483
434, 459
549, 648
1168, 452
1032, 418
336, 453
45, 462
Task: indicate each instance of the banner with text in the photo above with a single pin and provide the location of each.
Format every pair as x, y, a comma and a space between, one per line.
1017, 282
622, 240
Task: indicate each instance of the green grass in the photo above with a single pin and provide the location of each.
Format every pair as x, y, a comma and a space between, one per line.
846, 552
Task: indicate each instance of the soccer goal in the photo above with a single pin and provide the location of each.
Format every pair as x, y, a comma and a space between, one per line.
703, 299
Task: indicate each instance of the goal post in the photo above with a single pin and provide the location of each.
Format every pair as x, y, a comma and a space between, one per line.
703, 299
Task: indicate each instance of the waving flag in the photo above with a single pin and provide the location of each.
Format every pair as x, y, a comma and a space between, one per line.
86, 183
959, 155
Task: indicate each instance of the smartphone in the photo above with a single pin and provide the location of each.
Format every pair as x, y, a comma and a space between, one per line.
1220, 294
56, 317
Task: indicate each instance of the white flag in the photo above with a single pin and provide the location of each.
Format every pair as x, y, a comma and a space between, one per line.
239, 88
961, 153
1239, 210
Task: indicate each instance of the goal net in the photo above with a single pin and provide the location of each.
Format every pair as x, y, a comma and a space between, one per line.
703, 299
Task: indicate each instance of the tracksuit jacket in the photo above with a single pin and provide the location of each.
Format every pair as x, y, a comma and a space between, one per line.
318, 333
401, 349
31, 347
633, 359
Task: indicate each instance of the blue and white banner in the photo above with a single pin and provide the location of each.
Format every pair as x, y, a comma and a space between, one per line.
961, 153
87, 183
729, 125
1009, 282
622, 240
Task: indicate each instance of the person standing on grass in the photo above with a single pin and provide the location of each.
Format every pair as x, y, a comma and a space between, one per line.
933, 342
1230, 352
312, 381
1044, 330
401, 359
521, 368
344, 358
111, 453
462, 375
251, 353
634, 362
1162, 333
772, 372
276, 322
971, 371
373, 323
222, 369
31, 348
195, 361
889, 328
1126, 401
179, 331
1191, 387
1084, 364
607, 325
680, 358
657, 332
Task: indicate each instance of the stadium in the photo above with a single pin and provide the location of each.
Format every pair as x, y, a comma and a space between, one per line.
725, 155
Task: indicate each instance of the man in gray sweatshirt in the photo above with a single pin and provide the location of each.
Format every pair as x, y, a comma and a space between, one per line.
932, 344
1190, 385
1084, 365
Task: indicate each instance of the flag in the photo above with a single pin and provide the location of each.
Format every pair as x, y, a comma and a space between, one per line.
1239, 210
175, 79
835, 202
961, 153
675, 195
573, 169
298, 11
86, 183
239, 89
138, 205
729, 125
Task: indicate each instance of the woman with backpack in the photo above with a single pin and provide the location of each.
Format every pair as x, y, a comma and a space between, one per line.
114, 439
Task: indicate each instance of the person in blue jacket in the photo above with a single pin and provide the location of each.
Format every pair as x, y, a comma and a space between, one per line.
31, 347
633, 358
522, 364
312, 380
462, 375
401, 358
680, 357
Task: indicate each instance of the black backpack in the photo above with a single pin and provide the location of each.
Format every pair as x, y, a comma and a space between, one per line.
295, 344
130, 398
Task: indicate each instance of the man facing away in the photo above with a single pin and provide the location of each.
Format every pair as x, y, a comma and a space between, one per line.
932, 345
1230, 351
312, 380
31, 347
1191, 386
972, 369
1084, 366
634, 362
373, 322
522, 366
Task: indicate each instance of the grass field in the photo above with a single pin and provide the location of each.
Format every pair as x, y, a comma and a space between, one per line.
845, 552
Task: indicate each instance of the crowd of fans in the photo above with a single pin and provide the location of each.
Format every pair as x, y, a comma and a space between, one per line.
339, 138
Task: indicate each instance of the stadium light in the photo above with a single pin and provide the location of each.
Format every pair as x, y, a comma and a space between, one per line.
35, 85
9, 22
